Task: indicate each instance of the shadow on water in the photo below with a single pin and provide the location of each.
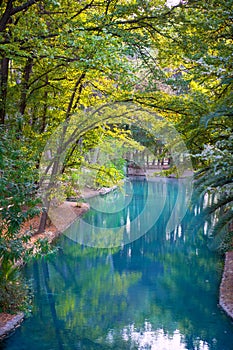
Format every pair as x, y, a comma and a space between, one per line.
157, 292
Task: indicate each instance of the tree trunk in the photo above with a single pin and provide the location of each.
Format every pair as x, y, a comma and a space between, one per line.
4, 64
45, 108
43, 220
46, 187
6, 16
25, 85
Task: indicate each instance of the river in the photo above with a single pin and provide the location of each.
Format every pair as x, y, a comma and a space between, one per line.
144, 288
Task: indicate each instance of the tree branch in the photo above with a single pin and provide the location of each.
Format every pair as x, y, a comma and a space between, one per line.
82, 9
10, 11
25, 6
70, 106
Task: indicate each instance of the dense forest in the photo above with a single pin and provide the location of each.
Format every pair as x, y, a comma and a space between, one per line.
97, 66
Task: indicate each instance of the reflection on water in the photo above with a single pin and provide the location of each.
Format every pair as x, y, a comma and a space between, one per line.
147, 338
157, 292
125, 215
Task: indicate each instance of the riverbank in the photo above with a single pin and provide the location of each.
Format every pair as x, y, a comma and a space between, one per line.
9, 322
226, 287
65, 214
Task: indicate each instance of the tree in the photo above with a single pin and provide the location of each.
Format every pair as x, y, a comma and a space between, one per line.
8, 20
61, 58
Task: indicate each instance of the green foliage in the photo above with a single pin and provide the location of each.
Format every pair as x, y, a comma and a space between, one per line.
17, 188
15, 293
172, 171
108, 175
96, 159
215, 179
17, 204
227, 243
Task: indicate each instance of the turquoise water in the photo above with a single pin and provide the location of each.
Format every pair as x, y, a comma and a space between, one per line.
159, 291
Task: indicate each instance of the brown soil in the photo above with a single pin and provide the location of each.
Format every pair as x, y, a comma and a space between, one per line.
68, 212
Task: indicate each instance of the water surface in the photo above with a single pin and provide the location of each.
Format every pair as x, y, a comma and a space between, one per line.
158, 292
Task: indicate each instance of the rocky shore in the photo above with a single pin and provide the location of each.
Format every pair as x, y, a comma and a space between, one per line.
8, 323
226, 287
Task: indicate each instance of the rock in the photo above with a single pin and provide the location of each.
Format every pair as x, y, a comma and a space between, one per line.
226, 287
105, 190
8, 323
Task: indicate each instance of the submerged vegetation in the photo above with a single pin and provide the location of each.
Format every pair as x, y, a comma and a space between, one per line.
62, 58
